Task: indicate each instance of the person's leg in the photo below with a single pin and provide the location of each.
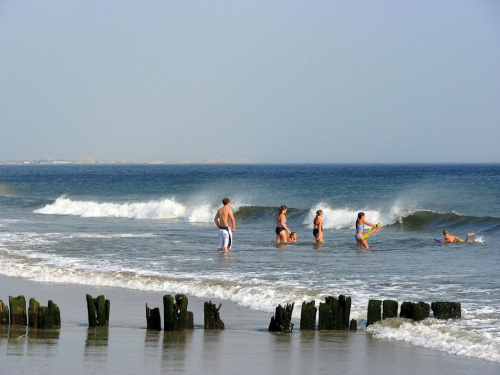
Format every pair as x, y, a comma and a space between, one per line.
320, 237
469, 235
228, 240
221, 240
283, 236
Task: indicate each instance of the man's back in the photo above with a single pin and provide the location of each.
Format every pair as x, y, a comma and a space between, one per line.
224, 216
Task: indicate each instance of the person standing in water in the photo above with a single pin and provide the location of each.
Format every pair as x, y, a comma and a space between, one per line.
318, 226
281, 228
225, 221
360, 230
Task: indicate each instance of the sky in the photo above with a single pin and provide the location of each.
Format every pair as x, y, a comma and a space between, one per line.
269, 81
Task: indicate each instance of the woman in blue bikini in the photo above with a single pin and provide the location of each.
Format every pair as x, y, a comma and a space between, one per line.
360, 230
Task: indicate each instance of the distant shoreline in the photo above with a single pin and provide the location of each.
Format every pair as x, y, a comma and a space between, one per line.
228, 161
122, 162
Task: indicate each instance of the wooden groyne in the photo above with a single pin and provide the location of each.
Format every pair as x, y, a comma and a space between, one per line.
281, 321
332, 314
36, 317
4, 314
416, 311
98, 311
212, 316
43, 316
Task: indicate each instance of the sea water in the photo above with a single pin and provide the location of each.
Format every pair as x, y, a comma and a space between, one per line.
150, 227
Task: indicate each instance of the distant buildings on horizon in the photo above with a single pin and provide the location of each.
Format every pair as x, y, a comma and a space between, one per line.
90, 160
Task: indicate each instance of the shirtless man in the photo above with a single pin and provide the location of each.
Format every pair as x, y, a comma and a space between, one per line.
225, 221
448, 238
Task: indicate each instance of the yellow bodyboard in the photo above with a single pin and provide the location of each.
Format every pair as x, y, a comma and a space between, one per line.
371, 231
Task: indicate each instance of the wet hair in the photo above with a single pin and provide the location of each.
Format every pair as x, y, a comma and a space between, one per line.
283, 208
446, 231
360, 215
319, 212
225, 201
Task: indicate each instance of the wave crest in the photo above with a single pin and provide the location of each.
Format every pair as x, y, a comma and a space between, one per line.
164, 209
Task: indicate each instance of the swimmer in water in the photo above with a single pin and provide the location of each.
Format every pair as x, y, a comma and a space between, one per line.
448, 238
281, 228
225, 221
360, 231
318, 226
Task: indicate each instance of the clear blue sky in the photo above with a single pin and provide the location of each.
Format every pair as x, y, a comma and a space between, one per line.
271, 81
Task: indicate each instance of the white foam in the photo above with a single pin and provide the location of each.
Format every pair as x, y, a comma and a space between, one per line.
445, 336
341, 218
345, 218
163, 209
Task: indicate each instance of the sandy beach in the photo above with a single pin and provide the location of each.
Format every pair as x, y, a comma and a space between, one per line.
245, 347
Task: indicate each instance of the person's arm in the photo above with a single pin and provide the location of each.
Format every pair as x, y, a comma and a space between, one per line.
216, 219
233, 221
320, 225
367, 223
282, 223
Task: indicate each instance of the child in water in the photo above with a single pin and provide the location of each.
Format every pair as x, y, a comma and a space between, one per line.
292, 237
360, 223
448, 238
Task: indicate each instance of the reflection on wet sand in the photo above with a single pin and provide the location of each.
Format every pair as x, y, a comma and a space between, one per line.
30, 341
97, 341
175, 345
43, 342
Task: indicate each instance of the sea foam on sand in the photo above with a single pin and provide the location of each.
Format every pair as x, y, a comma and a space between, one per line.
245, 347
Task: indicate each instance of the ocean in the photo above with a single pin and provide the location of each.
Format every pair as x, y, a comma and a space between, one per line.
150, 227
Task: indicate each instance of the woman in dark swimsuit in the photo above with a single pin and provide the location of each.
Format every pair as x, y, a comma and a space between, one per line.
318, 226
281, 228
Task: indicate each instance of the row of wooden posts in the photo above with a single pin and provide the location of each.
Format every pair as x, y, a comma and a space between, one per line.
334, 313
37, 317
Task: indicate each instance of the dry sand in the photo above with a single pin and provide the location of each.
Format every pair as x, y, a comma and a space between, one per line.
244, 347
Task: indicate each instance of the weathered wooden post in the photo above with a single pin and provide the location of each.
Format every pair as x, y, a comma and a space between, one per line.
334, 314
4, 314
50, 316
344, 312
327, 311
406, 310
374, 312
308, 316
416, 311
446, 310
153, 318
389, 309
18, 311
189, 320
353, 325
280, 322
98, 311
44, 316
175, 312
212, 316
33, 313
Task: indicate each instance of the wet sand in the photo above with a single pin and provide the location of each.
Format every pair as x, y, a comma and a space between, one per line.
244, 347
